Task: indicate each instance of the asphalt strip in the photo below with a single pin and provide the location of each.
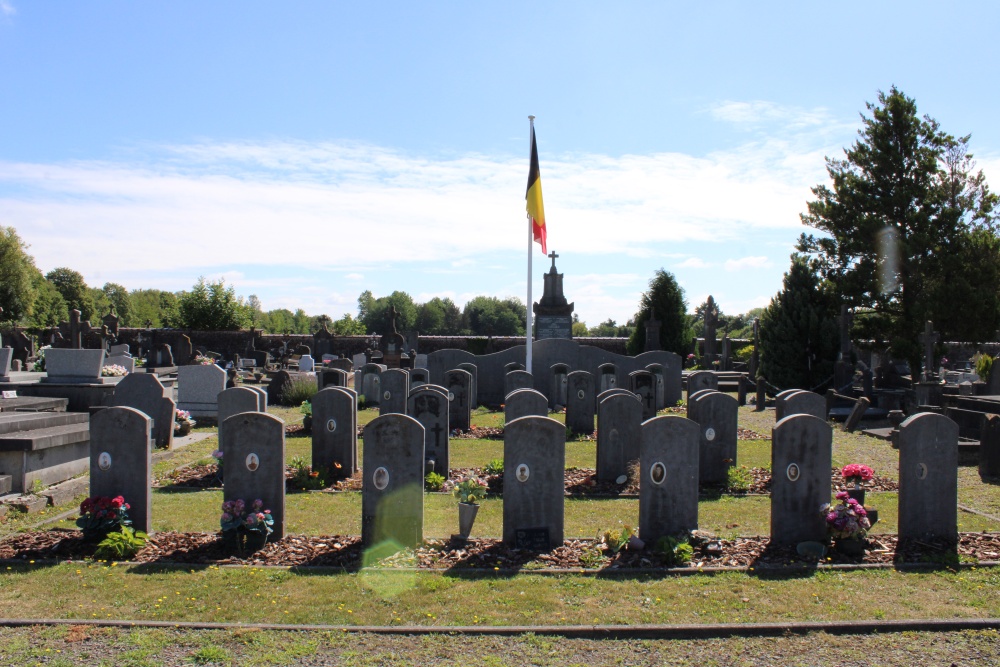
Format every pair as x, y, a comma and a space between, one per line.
707, 631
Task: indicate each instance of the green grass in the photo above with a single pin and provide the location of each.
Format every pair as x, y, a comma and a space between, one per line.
381, 597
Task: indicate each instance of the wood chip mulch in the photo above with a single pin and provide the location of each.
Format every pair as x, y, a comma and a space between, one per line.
578, 482
490, 554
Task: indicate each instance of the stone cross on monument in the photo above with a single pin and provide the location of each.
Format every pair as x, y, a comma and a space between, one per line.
393, 314
928, 338
553, 256
711, 322
75, 338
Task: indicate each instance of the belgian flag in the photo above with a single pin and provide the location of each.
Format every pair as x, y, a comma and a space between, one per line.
536, 210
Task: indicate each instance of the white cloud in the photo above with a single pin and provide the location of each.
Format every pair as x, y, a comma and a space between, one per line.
354, 277
759, 111
7, 8
745, 263
276, 192
693, 263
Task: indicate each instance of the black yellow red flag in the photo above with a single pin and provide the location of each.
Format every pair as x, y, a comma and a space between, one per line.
536, 210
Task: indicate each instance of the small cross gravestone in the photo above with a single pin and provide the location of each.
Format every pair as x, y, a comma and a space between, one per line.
700, 380
395, 388
429, 406
643, 385
459, 383
580, 402
619, 417
253, 447
121, 461
668, 486
534, 454
801, 457
335, 432
928, 478
524, 403
392, 495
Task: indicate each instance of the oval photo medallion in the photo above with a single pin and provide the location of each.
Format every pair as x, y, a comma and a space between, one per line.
451, 396
792, 472
380, 478
104, 461
386, 396
331, 425
522, 473
580, 394
657, 472
710, 434
921, 471
253, 462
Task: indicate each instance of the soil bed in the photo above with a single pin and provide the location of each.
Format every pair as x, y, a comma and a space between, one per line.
578, 482
489, 554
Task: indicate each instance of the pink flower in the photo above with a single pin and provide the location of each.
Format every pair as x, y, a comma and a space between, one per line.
841, 495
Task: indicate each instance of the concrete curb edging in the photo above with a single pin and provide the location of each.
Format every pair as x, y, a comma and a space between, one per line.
689, 631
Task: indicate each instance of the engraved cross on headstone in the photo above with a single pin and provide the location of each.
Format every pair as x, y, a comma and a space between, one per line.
928, 338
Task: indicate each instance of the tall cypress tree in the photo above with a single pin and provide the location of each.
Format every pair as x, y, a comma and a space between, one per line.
666, 299
798, 331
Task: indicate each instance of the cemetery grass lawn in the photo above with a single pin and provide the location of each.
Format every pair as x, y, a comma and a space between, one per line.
134, 647
393, 597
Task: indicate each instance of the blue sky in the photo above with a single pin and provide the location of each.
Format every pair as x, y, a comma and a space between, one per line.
307, 151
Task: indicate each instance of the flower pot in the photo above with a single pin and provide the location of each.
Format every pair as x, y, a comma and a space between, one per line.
850, 546
307, 423
182, 428
466, 517
242, 542
858, 494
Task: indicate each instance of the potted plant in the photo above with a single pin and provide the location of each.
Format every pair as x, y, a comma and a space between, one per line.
847, 524
469, 491
856, 474
183, 423
245, 528
99, 515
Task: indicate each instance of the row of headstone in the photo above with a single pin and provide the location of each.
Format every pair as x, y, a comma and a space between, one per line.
534, 461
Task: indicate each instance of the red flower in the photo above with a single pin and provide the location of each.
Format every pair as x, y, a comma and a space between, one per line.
117, 502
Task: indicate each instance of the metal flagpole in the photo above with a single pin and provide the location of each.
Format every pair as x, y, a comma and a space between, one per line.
531, 239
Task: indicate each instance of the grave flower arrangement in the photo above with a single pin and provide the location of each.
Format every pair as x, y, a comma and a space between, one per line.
856, 474
217, 455
468, 489
846, 519
202, 360
183, 423
100, 515
246, 526
114, 371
